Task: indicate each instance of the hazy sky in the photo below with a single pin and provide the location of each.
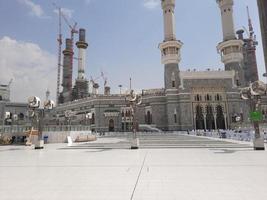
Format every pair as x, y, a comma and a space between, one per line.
123, 37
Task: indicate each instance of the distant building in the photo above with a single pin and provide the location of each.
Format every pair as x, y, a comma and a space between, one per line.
4, 93
11, 112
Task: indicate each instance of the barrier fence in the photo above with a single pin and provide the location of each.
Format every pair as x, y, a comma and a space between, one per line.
22, 129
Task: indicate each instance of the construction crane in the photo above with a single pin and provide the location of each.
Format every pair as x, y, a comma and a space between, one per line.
73, 31
105, 79
59, 40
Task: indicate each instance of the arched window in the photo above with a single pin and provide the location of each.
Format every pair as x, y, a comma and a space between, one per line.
210, 123
122, 114
199, 118
127, 113
208, 97
21, 116
237, 82
175, 116
148, 117
217, 98
220, 117
93, 119
173, 80
173, 84
198, 97
111, 125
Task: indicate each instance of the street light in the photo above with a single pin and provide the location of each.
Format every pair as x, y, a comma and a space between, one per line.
68, 115
253, 93
120, 86
37, 115
134, 101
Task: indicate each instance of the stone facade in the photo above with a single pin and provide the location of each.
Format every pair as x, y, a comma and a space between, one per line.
205, 100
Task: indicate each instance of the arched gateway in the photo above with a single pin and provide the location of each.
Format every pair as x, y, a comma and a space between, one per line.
111, 126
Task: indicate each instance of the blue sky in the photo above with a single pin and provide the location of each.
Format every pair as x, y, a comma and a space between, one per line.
123, 37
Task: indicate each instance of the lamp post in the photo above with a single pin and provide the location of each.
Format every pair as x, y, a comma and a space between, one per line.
120, 86
37, 115
68, 115
253, 93
134, 101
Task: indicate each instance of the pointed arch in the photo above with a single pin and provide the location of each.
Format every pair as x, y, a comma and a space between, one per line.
173, 80
111, 125
210, 118
220, 117
148, 117
199, 118
93, 118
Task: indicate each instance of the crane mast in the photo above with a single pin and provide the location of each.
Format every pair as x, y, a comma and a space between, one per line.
59, 53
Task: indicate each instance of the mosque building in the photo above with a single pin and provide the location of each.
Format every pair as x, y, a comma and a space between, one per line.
189, 100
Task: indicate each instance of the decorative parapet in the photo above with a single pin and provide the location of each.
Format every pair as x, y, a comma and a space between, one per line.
153, 92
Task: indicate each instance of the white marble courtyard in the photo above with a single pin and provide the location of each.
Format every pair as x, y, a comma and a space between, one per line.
59, 172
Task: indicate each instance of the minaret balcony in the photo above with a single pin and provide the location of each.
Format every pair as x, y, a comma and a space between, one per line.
231, 51
232, 58
223, 3
167, 3
170, 58
170, 51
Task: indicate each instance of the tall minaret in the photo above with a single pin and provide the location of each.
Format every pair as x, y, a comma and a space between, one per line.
80, 89
231, 47
82, 46
170, 47
67, 73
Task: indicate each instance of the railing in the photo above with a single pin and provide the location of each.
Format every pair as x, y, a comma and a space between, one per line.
153, 92
22, 129
14, 129
66, 128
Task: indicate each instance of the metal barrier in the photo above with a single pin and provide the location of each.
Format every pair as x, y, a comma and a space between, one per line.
22, 129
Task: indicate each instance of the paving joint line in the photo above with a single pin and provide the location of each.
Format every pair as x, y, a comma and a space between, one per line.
138, 177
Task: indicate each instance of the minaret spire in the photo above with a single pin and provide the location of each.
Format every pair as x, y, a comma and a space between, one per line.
251, 30
170, 47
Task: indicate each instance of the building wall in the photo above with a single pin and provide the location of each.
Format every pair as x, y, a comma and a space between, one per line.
171, 110
4, 93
